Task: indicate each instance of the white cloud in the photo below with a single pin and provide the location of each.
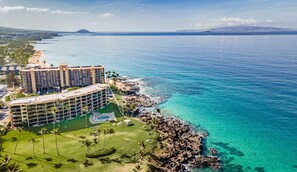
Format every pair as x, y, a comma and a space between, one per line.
38, 10
6, 9
62, 12
231, 21
68, 12
106, 15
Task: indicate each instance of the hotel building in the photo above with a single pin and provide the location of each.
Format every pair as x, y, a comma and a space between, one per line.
38, 110
58, 78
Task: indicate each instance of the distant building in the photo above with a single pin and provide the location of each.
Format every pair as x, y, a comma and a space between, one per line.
58, 78
3, 90
11, 69
37, 110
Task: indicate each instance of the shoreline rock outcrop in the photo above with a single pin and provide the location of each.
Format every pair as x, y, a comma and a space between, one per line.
180, 146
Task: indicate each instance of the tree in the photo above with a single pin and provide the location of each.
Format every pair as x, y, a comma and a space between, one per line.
19, 138
42, 132
87, 143
5, 161
33, 141
137, 168
86, 110
54, 111
56, 132
68, 108
6, 165
96, 133
109, 132
14, 167
114, 77
3, 131
11, 80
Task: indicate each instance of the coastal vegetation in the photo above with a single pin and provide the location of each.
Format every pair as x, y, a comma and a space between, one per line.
16, 52
15, 44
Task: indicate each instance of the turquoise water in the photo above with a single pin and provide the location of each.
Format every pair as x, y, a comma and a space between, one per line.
241, 89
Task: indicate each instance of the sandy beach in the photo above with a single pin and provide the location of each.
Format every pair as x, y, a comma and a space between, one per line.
36, 58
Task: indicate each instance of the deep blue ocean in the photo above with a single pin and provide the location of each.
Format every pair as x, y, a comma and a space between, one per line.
241, 89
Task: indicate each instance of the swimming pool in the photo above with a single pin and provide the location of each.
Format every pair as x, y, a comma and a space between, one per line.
103, 118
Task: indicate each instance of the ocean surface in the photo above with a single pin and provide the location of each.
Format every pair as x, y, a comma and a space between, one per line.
241, 89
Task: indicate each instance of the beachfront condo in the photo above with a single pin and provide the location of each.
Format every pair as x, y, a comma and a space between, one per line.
58, 78
39, 110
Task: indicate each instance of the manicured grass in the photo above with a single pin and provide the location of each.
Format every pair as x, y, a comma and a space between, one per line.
125, 140
111, 107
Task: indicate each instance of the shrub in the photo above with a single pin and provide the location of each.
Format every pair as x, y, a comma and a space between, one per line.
13, 139
72, 88
100, 153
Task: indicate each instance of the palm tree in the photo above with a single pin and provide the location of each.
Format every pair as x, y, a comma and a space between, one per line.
68, 108
56, 132
86, 110
14, 167
42, 132
33, 141
3, 131
108, 74
54, 111
109, 132
7, 166
5, 161
97, 132
137, 168
87, 143
114, 77
16, 145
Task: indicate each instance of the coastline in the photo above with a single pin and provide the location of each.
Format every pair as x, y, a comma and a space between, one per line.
36, 58
180, 145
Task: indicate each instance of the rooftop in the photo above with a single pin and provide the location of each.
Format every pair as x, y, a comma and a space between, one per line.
28, 68
58, 96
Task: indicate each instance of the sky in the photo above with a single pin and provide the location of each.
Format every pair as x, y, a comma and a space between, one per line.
145, 15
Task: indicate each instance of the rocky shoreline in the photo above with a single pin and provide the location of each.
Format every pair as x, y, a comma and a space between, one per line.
180, 145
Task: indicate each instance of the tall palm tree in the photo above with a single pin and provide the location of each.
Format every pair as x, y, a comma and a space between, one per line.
86, 110
54, 111
33, 141
97, 132
56, 132
19, 138
68, 115
3, 131
110, 132
42, 132
108, 74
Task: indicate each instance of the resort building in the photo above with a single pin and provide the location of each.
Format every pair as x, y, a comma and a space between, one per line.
58, 78
45, 109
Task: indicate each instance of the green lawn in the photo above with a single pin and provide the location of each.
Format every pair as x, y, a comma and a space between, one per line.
72, 157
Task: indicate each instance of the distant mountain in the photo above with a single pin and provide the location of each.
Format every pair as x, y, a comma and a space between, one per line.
83, 31
242, 30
